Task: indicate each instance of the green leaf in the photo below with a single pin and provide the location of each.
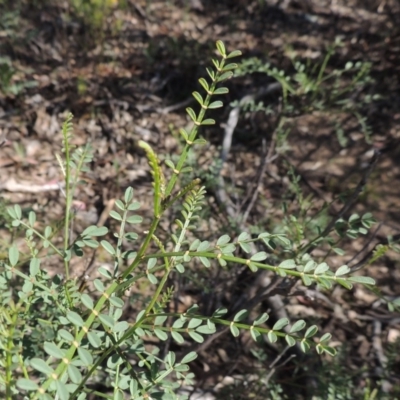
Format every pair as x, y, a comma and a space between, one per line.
180, 268
241, 315
194, 323
151, 263
311, 331
253, 267
47, 231
75, 318
13, 255
134, 206
345, 283
260, 256
204, 246
62, 391
189, 357
325, 283
287, 264
11, 213
116, 301
105, 272
131, 236
41, 366
160, 334
204, 83
255, 334
120, 204
298, 326
134, 219
306, 280
85, 356
198, 97
326, 337
290, 340
223, 240
205, 261
26, 384
128, 195
235, 53
74, 374
93, 230
53, 350
32, 218
65, 335
261, 319
140, 315
196, 337
281, 323
152, 278
206, 330
341, 252
243, 237
34, 266
87, 301
221, 90
343, 270
365, 280
191, 114
220, 312
171, 358
177, 337
90, 243
221, 48
329, 350
98, 284
184, 134
234, 330
228, 249
106, 320
230, 67
120, 326
160, 319
215, 104
94, 340
18, 212
170, 164
272, 337
353, 218
226, 75
310, 266
208, 121
322, 268
178, 323
115, 215
211, 73
245, 247
108, 246
304, 346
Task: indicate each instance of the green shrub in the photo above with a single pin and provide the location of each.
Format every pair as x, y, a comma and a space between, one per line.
60, 340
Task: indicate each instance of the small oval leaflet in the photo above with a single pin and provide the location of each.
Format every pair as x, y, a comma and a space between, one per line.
75, 318
53, 350
281, 323
189, 357
298, 326
26, 384
41, 366
85, 356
